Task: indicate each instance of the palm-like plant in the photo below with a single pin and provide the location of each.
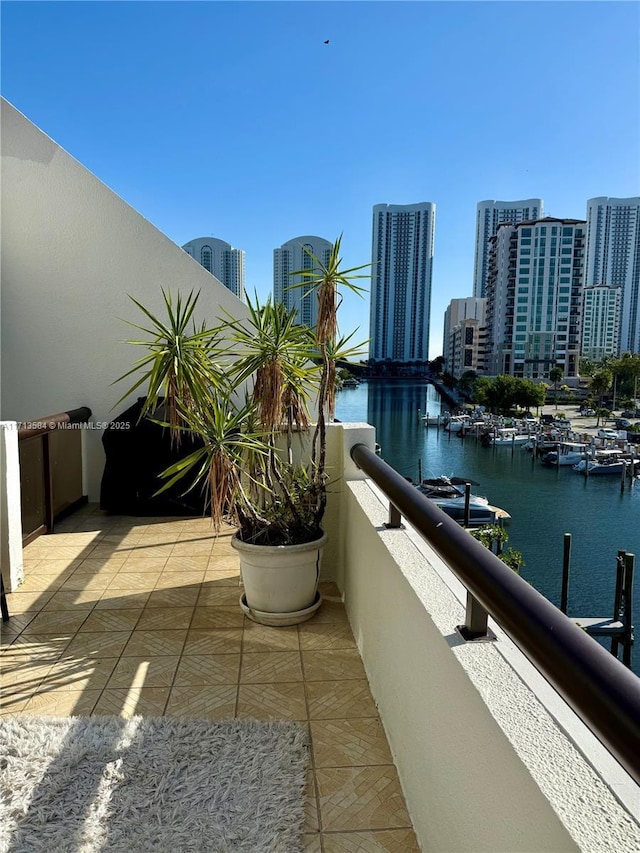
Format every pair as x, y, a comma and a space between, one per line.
246, 411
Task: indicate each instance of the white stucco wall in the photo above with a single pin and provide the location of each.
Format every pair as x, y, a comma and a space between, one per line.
485, 766
71, 252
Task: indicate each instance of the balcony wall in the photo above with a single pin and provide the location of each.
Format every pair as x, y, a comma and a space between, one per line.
489, 756
71, 252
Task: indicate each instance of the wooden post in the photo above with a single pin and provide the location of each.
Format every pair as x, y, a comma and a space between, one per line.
467, 501
419, 471
566, 565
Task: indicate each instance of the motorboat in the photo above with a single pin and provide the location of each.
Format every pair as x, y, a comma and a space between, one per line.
570, 453
457, 422
506, 436
449, 495
608, 462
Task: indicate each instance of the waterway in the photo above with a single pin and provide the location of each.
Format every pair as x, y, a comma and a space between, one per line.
544, 503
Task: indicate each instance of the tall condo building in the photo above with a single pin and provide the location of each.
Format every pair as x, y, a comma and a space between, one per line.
464, 338
290, 257
489, 216
402, 255
221, 260
613, 258
601, 321
534, 297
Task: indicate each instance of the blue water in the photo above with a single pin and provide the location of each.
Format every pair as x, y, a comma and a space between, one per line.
544, 503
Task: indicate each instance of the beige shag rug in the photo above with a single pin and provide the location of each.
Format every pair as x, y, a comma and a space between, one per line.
89, 784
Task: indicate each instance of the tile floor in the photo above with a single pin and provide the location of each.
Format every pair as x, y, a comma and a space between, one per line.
140, 616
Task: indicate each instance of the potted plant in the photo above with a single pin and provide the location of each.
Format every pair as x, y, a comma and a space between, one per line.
244, 389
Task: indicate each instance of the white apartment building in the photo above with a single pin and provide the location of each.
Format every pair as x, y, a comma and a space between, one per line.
534, 297
464, 335
402, 256
292, 290
613, 258
601, 321
221, 260
489, 216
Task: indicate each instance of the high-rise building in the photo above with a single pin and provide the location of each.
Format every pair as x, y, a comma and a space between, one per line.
534, 297
402, 256
613, 259
292, 290
464, 335
601, 321
489, 216
221, 260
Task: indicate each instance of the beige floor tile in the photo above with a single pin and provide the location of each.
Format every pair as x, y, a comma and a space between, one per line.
224, 577
89, 582
39, 647
152, 550
349, 743
69, 599
183, 597
225, 563
59, 566
213, 641
110, 550
325, 635
217, 617
270, 667
165, 618
331, 611
56, 621
146, 701
207, 670
122, 599
111, 620
36, 582
202, 703
187, 562
311, 842
383, 841
61, 554
62, 703
14, 704
144, 562
332, 665
192, 548
272, 701
144, 672
155, 643
311, 808
79, 674
106, 565
262, 638
16, 625
329, 590
120, 539
20, 675
219, 596
361, 798
171, 580
106, 644
135, 581
339, 700
21, 602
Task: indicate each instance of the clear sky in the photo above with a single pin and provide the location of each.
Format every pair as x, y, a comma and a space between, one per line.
234, 119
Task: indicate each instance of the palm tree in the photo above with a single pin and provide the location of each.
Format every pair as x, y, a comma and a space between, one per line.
556, 374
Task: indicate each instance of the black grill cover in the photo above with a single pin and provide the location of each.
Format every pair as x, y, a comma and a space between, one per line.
136, 453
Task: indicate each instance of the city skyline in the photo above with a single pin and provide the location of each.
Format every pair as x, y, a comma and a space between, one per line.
304, 137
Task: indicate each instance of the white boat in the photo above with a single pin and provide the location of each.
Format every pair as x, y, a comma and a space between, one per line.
571, 453
605, 462
456, 422
431, 420
507, 436
450, 499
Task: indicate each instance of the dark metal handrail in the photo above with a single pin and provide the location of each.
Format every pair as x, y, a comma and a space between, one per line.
599, 688
40, 426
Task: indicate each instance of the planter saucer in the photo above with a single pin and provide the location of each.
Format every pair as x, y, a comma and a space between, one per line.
280, 620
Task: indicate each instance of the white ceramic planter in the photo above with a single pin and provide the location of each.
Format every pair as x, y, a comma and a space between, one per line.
280, 579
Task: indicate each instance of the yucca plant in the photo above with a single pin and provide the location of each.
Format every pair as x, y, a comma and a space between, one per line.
244, 388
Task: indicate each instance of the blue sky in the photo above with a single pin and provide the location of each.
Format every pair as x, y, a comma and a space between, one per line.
235, 119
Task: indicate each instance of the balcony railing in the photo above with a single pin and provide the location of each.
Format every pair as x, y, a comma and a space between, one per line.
597, 686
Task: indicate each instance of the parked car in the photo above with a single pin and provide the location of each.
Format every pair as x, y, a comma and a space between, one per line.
622, 423
630, 414
546, 419
562, 423
587, 413
607, 433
